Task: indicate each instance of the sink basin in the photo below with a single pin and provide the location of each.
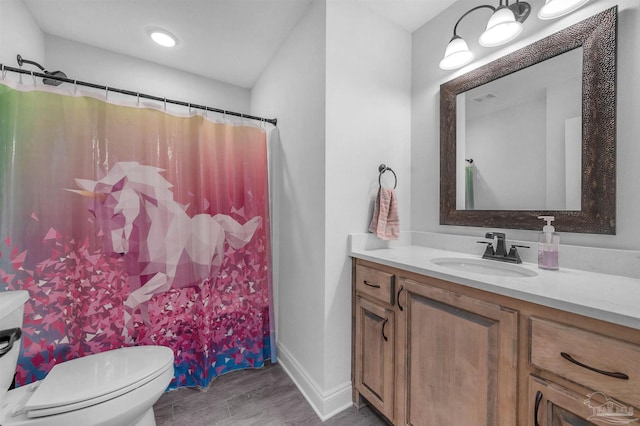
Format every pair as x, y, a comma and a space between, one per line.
482, 266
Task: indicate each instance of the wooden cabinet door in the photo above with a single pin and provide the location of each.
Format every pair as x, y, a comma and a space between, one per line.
552, 405
374, 351
457, 359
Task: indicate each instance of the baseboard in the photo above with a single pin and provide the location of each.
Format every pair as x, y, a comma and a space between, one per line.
326, 404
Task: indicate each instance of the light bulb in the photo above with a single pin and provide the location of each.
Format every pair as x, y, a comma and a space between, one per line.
456, 55
501, 28
556, 8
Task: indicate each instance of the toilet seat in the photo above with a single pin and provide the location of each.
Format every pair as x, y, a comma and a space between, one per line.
94, 379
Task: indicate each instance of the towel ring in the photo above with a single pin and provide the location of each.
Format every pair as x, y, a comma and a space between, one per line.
383, 168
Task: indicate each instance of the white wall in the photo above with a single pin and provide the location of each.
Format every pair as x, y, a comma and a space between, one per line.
19, 34
292, 88
563, 103
515, 132
340, 87
429, 43
83, 62
368, 123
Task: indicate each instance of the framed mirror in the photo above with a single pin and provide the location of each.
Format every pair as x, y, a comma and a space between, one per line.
545, 157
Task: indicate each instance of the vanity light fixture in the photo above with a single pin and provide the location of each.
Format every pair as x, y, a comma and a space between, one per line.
504, 25
556, 8
162, 37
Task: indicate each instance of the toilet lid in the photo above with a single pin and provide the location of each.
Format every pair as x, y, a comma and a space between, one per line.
92, 379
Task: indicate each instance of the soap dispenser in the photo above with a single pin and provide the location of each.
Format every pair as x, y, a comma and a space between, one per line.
548, 245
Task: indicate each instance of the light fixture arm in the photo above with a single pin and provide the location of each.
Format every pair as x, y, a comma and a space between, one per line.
484, 6
520, 10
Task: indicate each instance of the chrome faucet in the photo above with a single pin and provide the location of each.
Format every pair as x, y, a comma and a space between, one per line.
497, 248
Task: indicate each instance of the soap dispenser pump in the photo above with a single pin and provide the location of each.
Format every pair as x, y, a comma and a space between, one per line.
548, 245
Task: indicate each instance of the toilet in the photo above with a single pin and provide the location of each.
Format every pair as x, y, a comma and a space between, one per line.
112, 388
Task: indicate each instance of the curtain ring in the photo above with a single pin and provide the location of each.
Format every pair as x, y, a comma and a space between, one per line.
106, 92
165, 104
189, 109
4, 72
75, 86
34, 78
137, 98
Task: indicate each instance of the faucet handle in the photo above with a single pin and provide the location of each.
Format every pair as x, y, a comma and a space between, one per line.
513, 253
489, 251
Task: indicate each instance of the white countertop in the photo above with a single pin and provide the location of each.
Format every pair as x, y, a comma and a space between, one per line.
611, 298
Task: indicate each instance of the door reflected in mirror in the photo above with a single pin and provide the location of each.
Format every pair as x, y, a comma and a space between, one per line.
524, 134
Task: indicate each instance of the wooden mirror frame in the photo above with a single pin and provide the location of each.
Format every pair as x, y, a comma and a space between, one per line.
597, 36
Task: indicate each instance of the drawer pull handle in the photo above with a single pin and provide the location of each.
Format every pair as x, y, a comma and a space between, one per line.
400, 291
367, 283
535, 411
383, 325
614, 374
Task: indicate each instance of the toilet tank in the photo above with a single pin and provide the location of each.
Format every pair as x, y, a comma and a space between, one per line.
11, 316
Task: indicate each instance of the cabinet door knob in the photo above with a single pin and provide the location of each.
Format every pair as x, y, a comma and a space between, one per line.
383, 325
400, 291
614, 374
537, 407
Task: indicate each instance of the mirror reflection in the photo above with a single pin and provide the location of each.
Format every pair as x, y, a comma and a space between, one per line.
519, 139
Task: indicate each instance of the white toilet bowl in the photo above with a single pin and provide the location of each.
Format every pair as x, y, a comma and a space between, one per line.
117, 387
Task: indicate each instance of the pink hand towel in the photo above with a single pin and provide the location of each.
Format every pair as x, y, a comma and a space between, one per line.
385, 222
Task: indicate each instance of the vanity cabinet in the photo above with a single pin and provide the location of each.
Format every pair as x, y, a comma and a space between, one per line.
424, 355
374, 339
436, 353
457, 358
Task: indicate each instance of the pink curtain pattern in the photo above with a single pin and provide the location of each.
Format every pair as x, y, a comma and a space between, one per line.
132, 226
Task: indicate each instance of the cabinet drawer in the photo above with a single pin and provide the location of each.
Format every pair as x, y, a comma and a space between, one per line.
375, 283
595, 361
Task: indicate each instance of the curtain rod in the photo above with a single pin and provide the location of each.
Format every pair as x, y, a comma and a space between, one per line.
5, 68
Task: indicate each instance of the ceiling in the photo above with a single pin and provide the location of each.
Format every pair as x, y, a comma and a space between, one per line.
226, 40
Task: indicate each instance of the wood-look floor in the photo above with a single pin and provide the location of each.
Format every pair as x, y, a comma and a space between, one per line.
265, 397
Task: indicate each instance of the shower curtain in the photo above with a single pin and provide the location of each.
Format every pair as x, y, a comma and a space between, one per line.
128, 225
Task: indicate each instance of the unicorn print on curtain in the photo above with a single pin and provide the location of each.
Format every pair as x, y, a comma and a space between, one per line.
146, 226
132, 226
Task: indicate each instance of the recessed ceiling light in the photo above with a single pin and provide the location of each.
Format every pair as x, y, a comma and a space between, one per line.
163, 38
